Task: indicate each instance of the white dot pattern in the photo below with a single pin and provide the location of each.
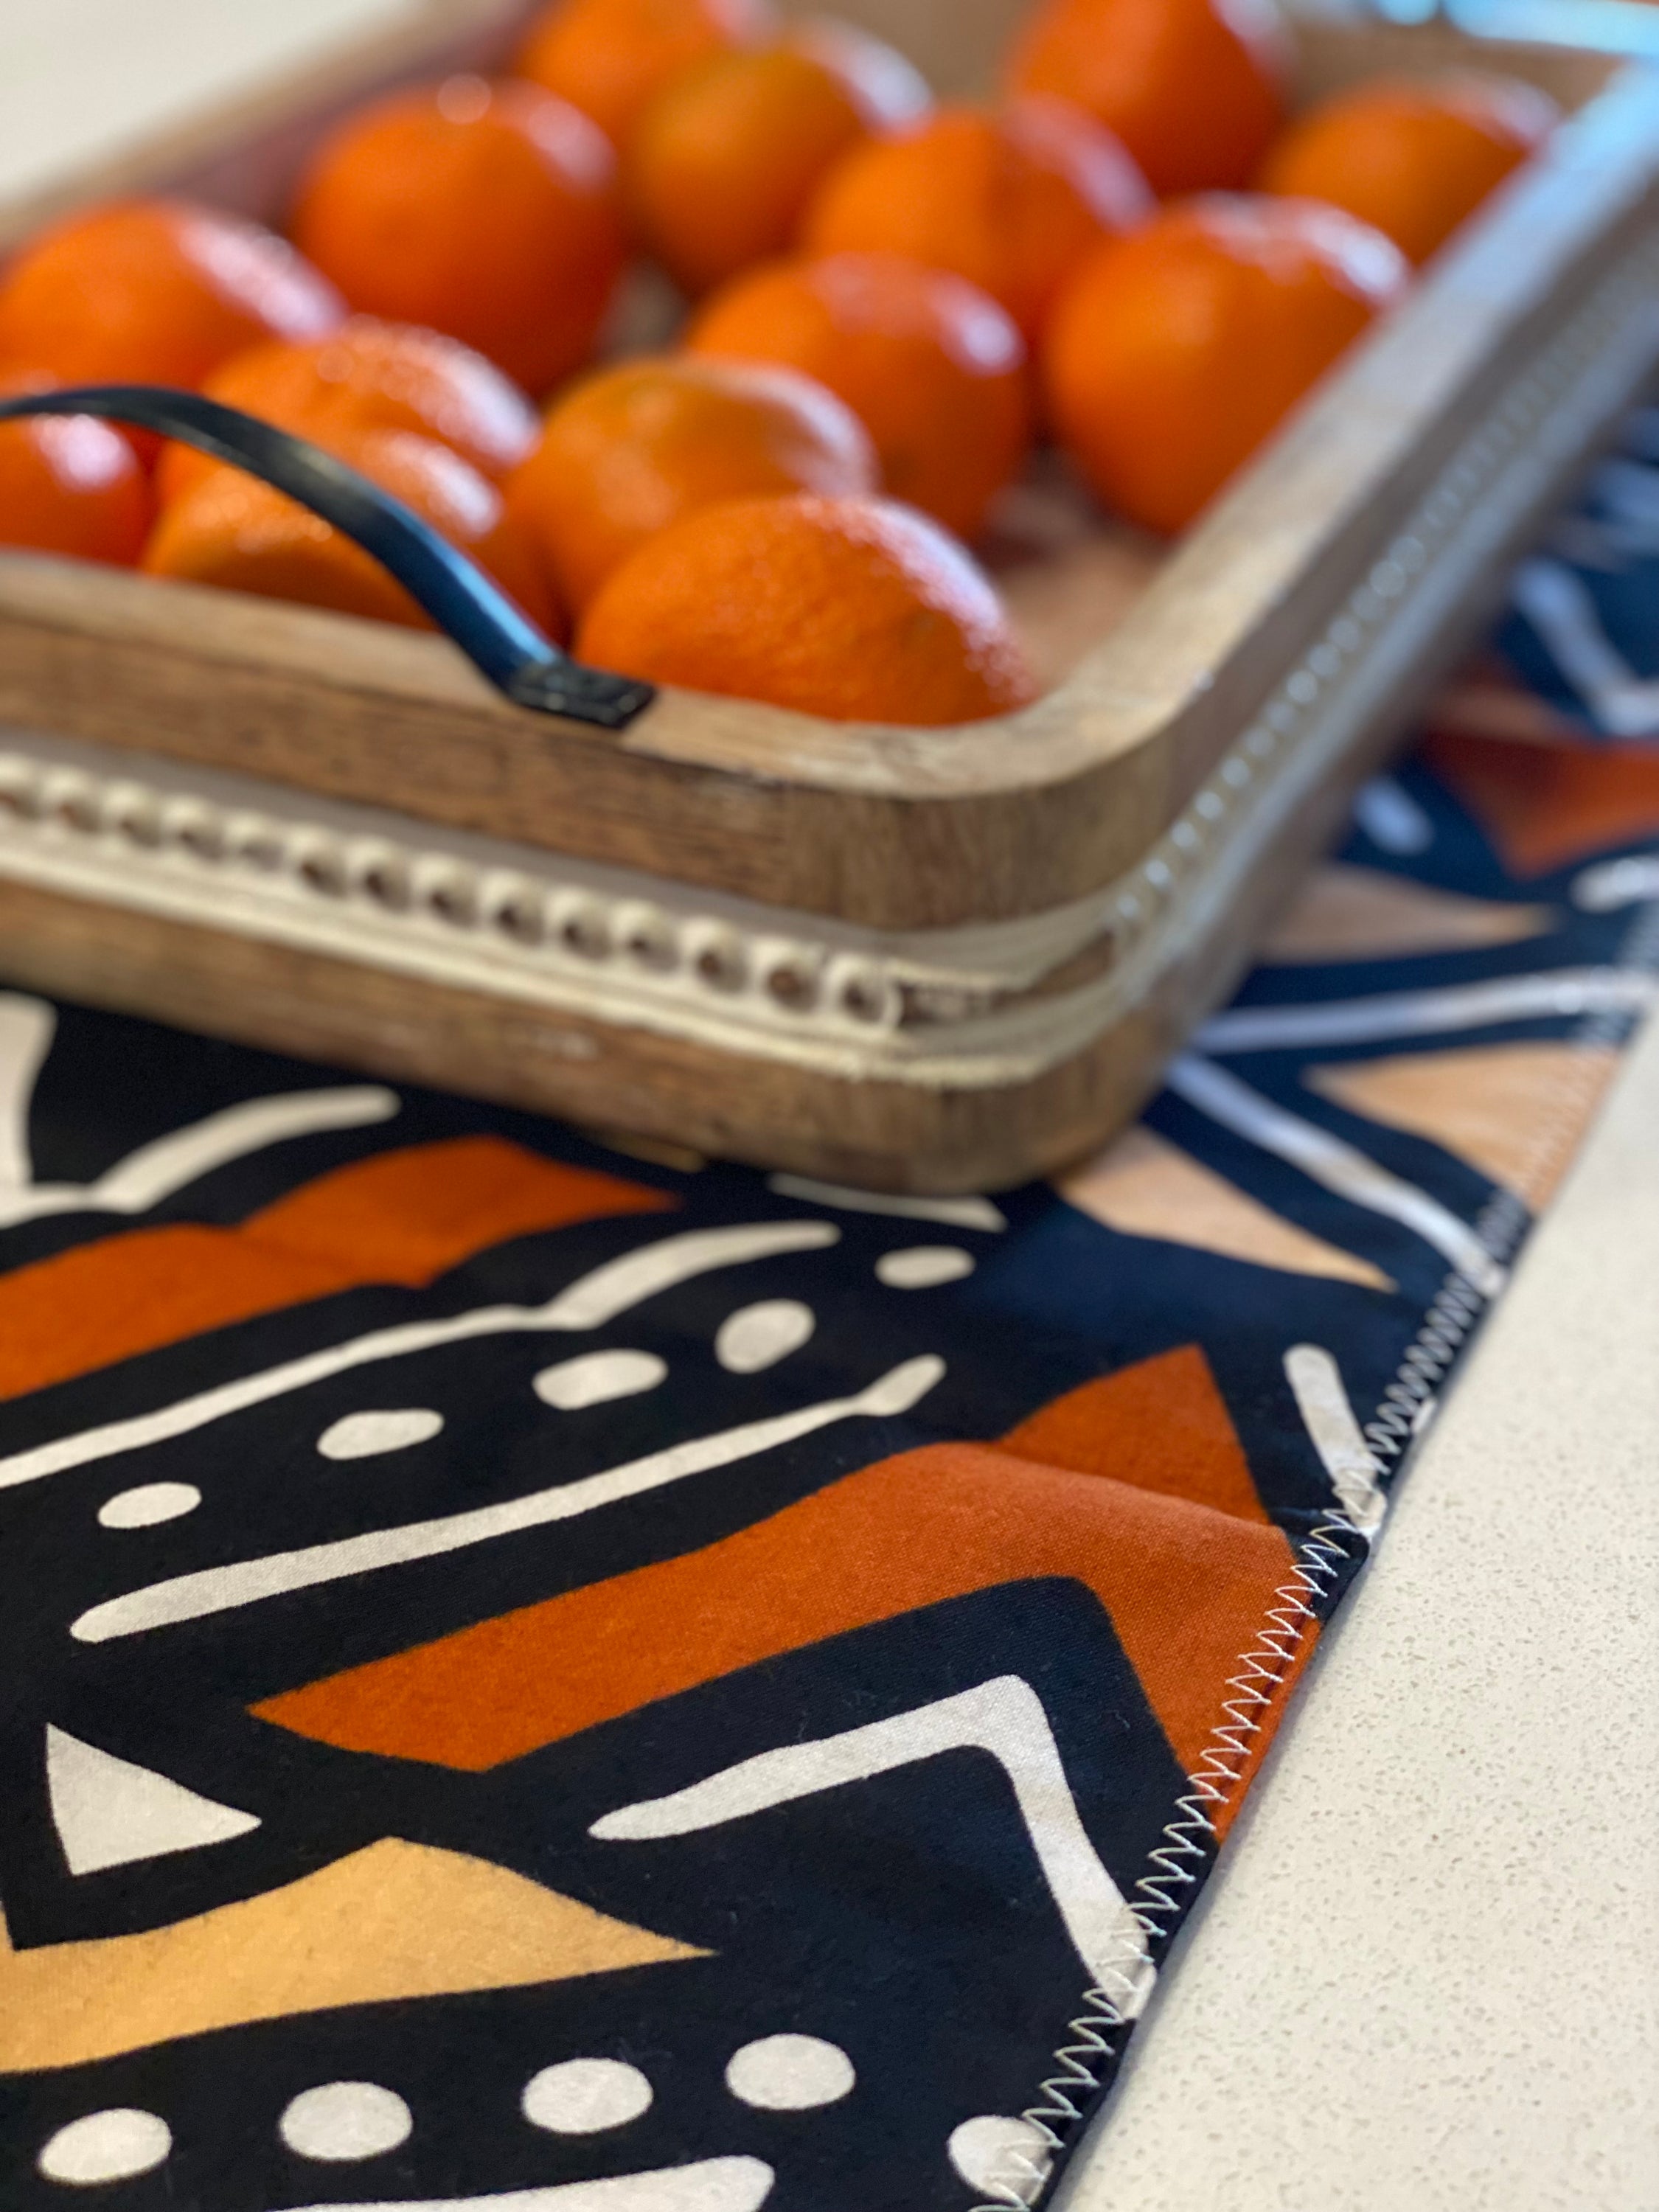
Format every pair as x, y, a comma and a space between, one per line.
790, 2074
758, 1337
339, 2122
149, 1505
367, 1436
1001, 2154
112, 2146
585, 2096
596, 1378
924, 1267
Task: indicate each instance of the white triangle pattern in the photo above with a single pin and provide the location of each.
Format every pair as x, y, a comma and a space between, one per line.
109, 1812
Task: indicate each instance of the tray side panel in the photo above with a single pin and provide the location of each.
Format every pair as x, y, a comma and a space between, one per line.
386, 718
871, 1134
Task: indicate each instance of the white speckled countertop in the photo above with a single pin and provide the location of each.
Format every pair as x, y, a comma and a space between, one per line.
1427, 1978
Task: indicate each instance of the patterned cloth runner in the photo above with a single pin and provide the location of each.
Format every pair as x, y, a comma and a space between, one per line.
544, 1680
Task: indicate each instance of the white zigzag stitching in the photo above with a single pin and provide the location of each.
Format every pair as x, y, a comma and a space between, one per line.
1098, 2035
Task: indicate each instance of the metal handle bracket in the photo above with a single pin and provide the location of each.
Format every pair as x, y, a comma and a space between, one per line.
500, 640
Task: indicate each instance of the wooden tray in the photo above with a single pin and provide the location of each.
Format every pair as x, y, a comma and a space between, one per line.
929, 960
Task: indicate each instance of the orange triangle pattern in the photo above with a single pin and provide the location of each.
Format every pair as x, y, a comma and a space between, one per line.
400, 1216
1544, 805
1487, 699
1170, 1536
1160, 1425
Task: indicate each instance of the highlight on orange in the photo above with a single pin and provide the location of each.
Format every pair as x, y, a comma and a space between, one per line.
1175, 352
156, 292
485, 210
636, 447
370, 374
1414, 158
70, 484
612, 57
231, 531
1196, 89
1010, 198
723, 164
932, 367
854, 609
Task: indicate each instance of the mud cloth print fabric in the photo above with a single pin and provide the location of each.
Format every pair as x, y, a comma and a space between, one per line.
539, 1679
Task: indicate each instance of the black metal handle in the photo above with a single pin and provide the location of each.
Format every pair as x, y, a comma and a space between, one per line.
455, 590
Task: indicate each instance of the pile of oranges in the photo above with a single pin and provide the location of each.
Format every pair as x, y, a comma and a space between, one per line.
1133, 251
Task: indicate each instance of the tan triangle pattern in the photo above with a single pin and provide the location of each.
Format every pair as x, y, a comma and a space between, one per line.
1346, 913
1514, 1111
395, 1920
1144, 1186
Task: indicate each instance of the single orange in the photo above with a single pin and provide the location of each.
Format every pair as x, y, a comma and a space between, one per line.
1012, 199
156, 292
724, 163
369, 373
1415, 159
1175, 351
1194, 89
487, 211
231, 531
70, 484
638, 447
612, 57
930, 365
853, 609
